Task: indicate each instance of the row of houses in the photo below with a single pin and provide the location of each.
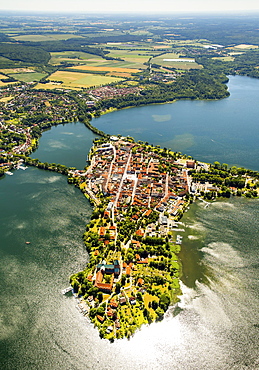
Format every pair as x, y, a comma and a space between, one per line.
109, 92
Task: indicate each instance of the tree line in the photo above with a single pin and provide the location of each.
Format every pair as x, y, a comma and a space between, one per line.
195, 84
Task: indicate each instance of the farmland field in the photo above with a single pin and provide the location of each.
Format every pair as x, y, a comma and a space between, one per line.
169, 60
105, 68
138, 58
86, 61
77, 80
128, 45
246, 46
4, 83
16, 70
225, 59
6, 99
28, 76
74, 56
45, 37
109, 64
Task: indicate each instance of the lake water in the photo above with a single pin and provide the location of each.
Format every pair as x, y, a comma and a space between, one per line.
225, 130
65, 144
214, 326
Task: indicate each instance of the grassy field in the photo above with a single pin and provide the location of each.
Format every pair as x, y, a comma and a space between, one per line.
23, 74
77, 80
175, 64
128, 45
74, 56
106, 68
137, 58
28, 76
94, 61
83, 60
45, 37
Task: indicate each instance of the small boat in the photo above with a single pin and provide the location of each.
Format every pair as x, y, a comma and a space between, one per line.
22, 168
64, 291
27, 242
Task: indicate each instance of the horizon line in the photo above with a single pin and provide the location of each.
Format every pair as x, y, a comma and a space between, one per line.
131, 12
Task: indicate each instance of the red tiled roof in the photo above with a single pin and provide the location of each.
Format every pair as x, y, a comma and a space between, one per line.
99, 277
102, 231
100, 318
139, 232
143, 261
113, 304
147, 213
90, 277
140, 282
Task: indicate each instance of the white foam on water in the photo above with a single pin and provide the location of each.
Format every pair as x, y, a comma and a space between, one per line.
223, 254
67, 133
196, 226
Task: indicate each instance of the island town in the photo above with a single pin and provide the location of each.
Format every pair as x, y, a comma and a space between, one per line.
139, 192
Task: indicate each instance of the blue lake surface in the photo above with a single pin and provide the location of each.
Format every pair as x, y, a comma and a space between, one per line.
225, 130
67, 144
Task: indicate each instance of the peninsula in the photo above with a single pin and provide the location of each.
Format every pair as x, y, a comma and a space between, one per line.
139, 192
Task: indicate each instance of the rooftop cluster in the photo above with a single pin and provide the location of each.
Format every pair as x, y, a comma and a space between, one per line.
133, 269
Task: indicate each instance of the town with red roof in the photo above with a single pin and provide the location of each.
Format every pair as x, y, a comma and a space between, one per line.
139, 192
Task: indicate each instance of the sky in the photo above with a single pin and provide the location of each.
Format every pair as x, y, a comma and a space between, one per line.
133, 6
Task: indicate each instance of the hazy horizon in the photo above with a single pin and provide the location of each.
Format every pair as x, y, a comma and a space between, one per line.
132, 7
